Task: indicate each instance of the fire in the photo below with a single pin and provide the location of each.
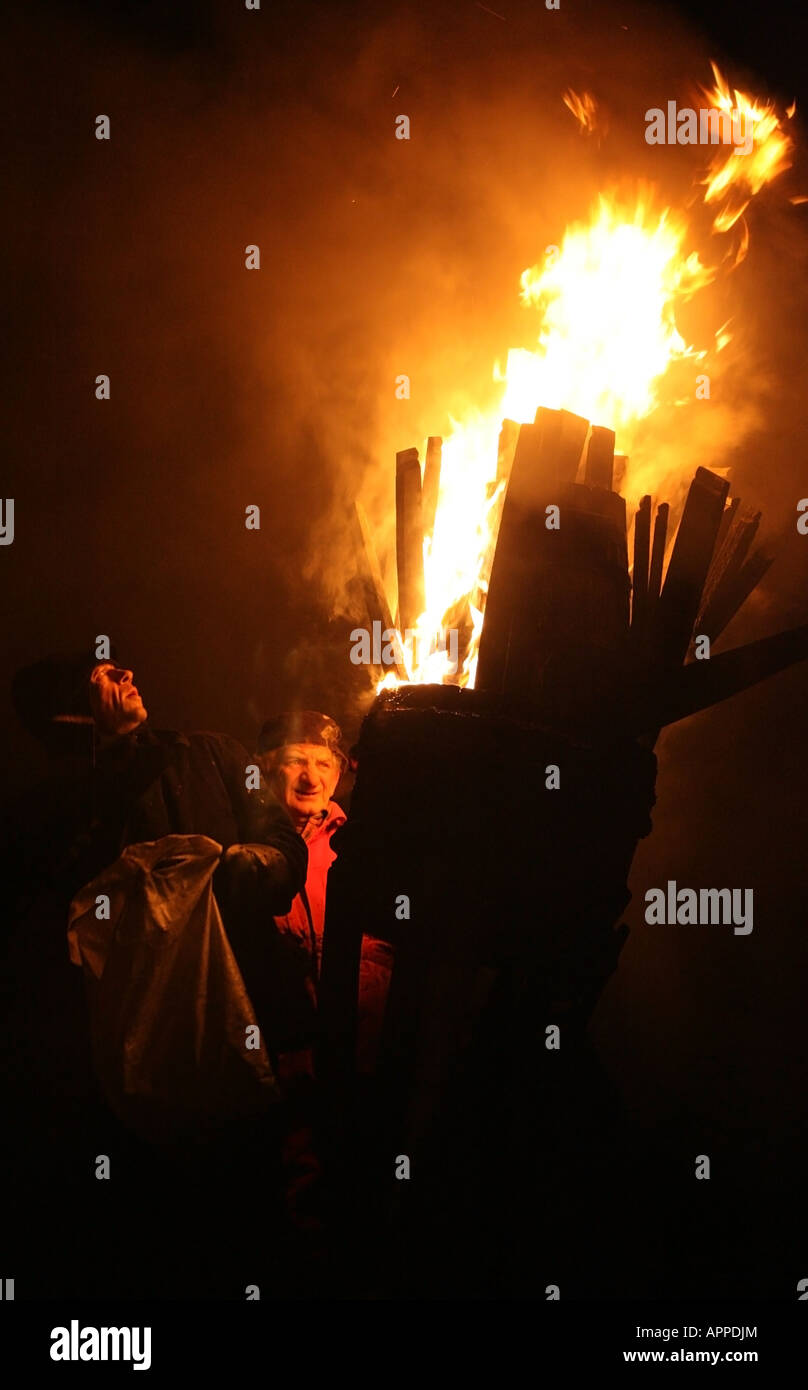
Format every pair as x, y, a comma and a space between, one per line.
606, 300
455, 555
584, 108
607, 306
736, 177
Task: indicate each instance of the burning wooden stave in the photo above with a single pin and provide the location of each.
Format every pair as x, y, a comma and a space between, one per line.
565, 680
557, 622
409, 539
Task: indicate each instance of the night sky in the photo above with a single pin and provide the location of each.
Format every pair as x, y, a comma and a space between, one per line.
276, 388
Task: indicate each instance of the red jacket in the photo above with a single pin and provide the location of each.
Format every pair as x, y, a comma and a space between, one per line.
321, 857
377, 956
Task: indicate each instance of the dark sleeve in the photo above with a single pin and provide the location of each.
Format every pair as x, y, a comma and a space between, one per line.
259, 815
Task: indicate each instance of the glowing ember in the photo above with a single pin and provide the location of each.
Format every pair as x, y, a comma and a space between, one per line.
584, 108
607, 337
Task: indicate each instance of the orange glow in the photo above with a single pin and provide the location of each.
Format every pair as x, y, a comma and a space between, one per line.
606, 339
606, 310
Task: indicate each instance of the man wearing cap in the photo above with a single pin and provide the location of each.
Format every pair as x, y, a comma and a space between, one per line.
113, 782
116, 782
302, 759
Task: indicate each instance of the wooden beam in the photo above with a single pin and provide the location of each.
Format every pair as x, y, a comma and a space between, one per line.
657, 555
680, 599
409, 539
509, 570
639, 584
508, 437
431, 489
544, 451
563, 436
600, 458
370, 570
726, 567
733, 594
726, 521
557, 616
370, 577
703, 683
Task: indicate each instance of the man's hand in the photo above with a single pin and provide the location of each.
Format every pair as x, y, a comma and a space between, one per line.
256, 877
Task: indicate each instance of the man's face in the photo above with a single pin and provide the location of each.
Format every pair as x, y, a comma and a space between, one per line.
304, 777
116, 705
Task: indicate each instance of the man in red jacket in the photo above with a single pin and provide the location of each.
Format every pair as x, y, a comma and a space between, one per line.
302, 759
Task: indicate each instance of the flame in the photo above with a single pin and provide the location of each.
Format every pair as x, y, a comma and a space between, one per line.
454, 557
607, 338
584, 108
607, 317
735, 177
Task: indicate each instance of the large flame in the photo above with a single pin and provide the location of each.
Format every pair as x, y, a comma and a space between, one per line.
607, 304
607, 337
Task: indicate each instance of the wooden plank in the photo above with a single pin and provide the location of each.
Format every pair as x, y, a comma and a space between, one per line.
657, 555
727, 566
370, 570
510, 566
732, 552
726, 521
552, 590
600, 458
533, 478
563, 437
508, 437
409, 539
703, 683
573, 623
733, 595
639, 583
431, 489
370, 576
680, 599
564, 619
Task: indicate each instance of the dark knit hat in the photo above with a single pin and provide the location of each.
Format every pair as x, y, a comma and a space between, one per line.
54, 690
302, 726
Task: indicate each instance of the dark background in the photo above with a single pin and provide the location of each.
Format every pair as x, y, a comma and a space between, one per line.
229, 388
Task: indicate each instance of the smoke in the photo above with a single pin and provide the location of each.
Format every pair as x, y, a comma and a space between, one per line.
407, 253
380, 258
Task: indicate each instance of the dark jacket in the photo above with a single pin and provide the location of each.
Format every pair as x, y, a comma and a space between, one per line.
67, 829
140, 787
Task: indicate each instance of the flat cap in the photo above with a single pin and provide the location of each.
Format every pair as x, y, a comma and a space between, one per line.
302, 726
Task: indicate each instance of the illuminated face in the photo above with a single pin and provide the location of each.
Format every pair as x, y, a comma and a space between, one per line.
304, 777
116, 705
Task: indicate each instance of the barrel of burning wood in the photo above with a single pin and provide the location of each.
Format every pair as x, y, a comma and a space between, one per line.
493, 854
485, 848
